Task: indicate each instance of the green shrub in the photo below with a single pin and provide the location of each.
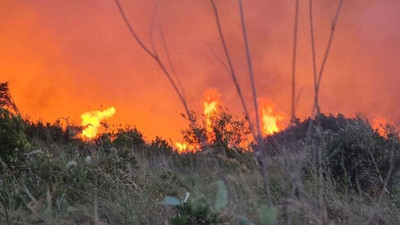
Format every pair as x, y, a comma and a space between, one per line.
48, 132
128, 138
354, 155
358, 157
13, 141
226, 132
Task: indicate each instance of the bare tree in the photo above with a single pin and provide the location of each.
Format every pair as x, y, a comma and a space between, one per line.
259, 150
317, 79
296, 18
154, 54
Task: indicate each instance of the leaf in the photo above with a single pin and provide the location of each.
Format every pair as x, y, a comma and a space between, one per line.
245, 221
222, 196
267, 215
168, 200
179, 220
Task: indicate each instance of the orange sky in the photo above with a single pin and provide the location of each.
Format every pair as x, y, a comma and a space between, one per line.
65, 57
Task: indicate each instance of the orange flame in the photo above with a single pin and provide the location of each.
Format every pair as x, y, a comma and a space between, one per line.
271, 119
379, 124
210, 105
92, 121
186, 148
210, 108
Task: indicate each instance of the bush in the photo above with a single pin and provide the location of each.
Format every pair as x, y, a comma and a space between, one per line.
13, 141
127, 138
226, 133
53, 133
358, 157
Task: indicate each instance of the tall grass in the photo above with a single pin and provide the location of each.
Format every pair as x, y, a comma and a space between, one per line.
74, 182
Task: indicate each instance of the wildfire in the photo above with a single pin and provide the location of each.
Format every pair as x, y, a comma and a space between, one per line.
210, 105
271, 119
92, 121
210, 108
185, 147
379, 124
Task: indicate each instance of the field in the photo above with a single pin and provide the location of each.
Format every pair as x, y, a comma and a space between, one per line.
343, 172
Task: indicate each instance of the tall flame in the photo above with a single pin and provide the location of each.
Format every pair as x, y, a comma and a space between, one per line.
92, 121
271, 119
210, 106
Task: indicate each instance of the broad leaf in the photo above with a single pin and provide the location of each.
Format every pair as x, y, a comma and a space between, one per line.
222, 196
267, 215
168, 200
180, 220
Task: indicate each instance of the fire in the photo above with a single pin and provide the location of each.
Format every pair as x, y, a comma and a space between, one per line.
210, 105
210, 108
271, 119
92, 121
379, 124
185, 147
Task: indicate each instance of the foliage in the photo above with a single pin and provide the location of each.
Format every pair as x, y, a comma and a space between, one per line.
128, 138
354, 155
13, 141
226, 132
267, 215
160, 146
359, 157
50, 132
198, 211
6, 101
60, 180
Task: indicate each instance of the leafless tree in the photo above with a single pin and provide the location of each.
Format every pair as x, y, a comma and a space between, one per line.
318, 78
296, 20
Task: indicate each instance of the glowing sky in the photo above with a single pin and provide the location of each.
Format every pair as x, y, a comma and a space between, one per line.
65, 57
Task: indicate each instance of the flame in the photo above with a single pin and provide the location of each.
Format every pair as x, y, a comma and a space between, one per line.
210, 106
379, 124
186, 148
271, 119
92, 121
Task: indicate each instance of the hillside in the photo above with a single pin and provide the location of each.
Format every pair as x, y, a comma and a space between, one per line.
335, 170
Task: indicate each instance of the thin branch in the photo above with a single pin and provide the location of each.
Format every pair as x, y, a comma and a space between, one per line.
153, 18
316, 104
321, 71
327, 50
258, 152
133, 31
171, 65
231, 69
251, 74
155, 56
218, 58
293, 119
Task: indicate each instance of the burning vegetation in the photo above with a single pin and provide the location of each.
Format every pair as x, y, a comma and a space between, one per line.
355, 156
91, 121
326, 166
272, 122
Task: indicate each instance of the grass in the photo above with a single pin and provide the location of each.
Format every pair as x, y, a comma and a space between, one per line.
67, 181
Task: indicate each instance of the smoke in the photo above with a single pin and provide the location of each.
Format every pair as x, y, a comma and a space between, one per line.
65, 57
